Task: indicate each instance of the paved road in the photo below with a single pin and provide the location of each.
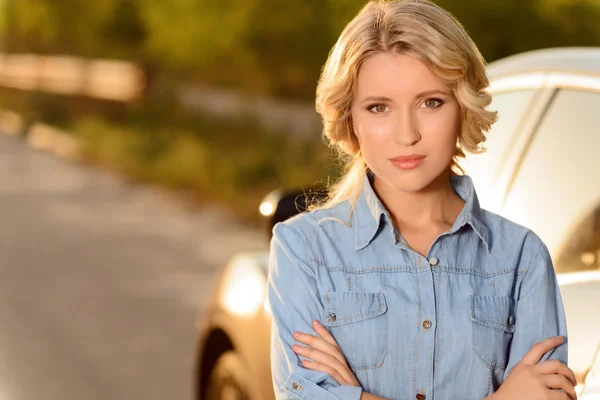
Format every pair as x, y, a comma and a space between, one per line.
100, 282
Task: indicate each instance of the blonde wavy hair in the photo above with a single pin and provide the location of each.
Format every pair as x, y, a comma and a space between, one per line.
422, 30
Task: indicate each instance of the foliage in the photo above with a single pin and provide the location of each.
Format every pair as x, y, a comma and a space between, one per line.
234, 163
266, 46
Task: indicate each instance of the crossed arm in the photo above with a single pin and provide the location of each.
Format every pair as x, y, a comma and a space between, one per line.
530, 378
534, 370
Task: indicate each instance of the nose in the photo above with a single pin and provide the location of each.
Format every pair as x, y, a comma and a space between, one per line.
407, 129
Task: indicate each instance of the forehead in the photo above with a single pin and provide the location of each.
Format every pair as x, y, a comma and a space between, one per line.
393, 74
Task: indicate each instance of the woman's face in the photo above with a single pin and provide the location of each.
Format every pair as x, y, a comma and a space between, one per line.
406, 120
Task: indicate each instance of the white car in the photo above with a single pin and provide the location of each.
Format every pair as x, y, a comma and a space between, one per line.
592, 381
542, 170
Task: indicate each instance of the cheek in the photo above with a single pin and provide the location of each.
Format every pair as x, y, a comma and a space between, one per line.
372, 131
441, 128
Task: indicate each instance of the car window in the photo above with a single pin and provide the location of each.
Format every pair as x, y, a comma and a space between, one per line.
511, 107
556, 191
581, 251
482, 168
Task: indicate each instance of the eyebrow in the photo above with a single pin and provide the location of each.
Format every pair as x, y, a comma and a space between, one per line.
423, 94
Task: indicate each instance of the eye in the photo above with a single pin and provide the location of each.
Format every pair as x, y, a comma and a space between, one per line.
377, 108
433, 103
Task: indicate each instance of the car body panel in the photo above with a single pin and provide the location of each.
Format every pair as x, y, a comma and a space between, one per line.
584, 60
592, 381
249, 335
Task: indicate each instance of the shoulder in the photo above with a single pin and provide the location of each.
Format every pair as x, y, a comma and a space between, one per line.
309, 222
510, 237
306, 228
533, 259
299, 241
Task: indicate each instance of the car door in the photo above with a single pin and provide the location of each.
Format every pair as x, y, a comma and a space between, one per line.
556, 192
592, 381
558, 179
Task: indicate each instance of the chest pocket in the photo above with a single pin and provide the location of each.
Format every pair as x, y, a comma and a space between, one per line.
493, 326
358, 322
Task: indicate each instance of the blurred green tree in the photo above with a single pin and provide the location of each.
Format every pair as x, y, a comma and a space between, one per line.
266, 46
190, 34
503, 28
108, 28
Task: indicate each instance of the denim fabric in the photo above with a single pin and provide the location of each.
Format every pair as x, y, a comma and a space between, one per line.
451, 325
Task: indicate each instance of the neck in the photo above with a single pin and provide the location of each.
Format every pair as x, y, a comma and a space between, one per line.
436, 204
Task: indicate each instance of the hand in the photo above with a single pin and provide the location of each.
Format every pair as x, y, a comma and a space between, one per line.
534, 380
327, 356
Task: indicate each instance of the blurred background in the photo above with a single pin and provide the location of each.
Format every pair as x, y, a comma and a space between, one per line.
216, 97
172, 120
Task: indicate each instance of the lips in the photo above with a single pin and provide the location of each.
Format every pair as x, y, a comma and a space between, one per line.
407, 162
411, 157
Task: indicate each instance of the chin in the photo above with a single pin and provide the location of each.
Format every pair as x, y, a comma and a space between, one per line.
410, 181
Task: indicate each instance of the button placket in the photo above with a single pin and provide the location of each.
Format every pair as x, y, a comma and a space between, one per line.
428, 308
426, 343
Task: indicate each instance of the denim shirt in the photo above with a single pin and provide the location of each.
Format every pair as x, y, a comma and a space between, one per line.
451, 325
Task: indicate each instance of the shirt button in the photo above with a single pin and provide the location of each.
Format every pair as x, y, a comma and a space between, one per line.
511, 320
427, 324
297, 386
420, 396
433, 261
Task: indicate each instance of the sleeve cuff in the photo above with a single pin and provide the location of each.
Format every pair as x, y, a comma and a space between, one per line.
305, 389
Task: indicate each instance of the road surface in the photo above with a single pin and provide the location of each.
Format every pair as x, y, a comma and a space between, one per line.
100, 282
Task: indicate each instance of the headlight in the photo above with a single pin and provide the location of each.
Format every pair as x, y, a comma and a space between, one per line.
269, 203
267, 209
244, 287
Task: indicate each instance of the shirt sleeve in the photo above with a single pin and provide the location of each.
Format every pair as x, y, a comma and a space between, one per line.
295, 303
540, 313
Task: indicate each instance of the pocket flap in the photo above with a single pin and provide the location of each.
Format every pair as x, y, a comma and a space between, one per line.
346, 307
493, 311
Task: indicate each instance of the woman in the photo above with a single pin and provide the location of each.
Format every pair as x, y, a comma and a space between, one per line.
420, 293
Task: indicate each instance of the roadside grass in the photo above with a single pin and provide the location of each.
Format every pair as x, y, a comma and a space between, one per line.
233, 162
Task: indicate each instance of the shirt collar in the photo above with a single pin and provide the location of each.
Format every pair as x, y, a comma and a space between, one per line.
370, 214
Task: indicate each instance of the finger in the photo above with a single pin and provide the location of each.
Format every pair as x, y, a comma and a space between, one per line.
335, 348
324, 333
537, 351
325, 359
320, 344
556, 367
557, 395
555, 381
318, 356
316, 366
